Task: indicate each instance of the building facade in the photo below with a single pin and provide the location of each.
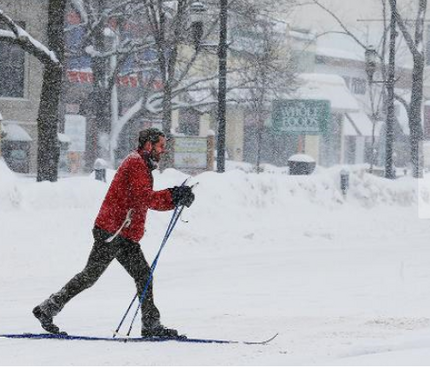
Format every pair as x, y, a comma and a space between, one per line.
20, 85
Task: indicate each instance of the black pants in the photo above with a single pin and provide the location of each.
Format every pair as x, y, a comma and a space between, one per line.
129, 255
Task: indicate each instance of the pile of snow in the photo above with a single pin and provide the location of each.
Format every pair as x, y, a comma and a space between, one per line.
300, 157
323, 186
10, 196
240, 187
371, 190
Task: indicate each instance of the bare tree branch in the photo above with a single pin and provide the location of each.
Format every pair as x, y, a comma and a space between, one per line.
18, 36
341, 24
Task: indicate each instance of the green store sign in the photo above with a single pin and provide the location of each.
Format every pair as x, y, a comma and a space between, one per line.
310, 117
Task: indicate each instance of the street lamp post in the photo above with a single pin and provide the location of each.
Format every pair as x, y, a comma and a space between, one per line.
198, 11
222, 85
370, 57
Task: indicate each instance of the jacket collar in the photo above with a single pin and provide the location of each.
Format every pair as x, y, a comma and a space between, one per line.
152, 165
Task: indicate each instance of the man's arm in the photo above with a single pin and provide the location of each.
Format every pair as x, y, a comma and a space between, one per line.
144, 195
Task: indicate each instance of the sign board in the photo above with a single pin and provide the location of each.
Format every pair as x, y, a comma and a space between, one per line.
309, 117
75, 128
191, 153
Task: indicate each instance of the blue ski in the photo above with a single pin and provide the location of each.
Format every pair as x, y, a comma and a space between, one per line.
132, 339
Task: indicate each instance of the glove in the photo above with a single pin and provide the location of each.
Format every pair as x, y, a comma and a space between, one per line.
182, 196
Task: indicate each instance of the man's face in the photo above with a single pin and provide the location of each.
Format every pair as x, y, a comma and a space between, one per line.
157, 149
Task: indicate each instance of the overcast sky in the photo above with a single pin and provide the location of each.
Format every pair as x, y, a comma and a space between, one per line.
363, 17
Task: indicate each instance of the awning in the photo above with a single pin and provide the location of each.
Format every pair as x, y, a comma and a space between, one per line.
327, 87
15, 133
349, 127
362, 123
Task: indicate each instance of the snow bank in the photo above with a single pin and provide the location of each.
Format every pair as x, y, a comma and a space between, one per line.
369, 190
10, 196
323, 187
239, 186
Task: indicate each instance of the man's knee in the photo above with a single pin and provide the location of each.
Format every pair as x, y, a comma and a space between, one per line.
88, 277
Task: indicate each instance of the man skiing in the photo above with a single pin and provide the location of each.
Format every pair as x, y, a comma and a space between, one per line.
119, 227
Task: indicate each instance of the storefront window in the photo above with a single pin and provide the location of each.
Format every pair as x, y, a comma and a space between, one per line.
189, 121
358, 86
18, 155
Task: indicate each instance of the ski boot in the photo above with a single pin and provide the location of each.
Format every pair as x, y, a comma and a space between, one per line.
159, 331
46, 322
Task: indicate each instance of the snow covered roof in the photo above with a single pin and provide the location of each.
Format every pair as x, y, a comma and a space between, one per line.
15, 133
314, 86
301, 157
327, 87
340, 54
64, 138
302, 35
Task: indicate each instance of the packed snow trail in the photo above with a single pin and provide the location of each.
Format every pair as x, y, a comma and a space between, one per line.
344, 281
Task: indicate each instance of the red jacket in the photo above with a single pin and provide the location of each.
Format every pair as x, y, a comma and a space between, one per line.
131, 188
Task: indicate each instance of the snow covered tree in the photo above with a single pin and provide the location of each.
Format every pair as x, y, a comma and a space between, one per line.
265, 69
412, 31
194, 71
165, 28
47, 121
167, 22
102, 39
184, 57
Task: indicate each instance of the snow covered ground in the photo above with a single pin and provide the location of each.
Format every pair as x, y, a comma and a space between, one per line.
343, 281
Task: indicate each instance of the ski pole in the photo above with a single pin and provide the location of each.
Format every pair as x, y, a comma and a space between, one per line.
135, 296
169, 229
148, 282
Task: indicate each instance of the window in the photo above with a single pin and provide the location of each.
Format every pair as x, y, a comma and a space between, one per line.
358, 86
12, 67
319, 59
73, 39
189, 121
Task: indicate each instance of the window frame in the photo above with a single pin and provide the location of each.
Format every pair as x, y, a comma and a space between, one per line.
25, 68
358, 86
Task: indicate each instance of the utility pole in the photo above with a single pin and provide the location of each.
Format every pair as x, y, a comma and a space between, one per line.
222, 85
389, 141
